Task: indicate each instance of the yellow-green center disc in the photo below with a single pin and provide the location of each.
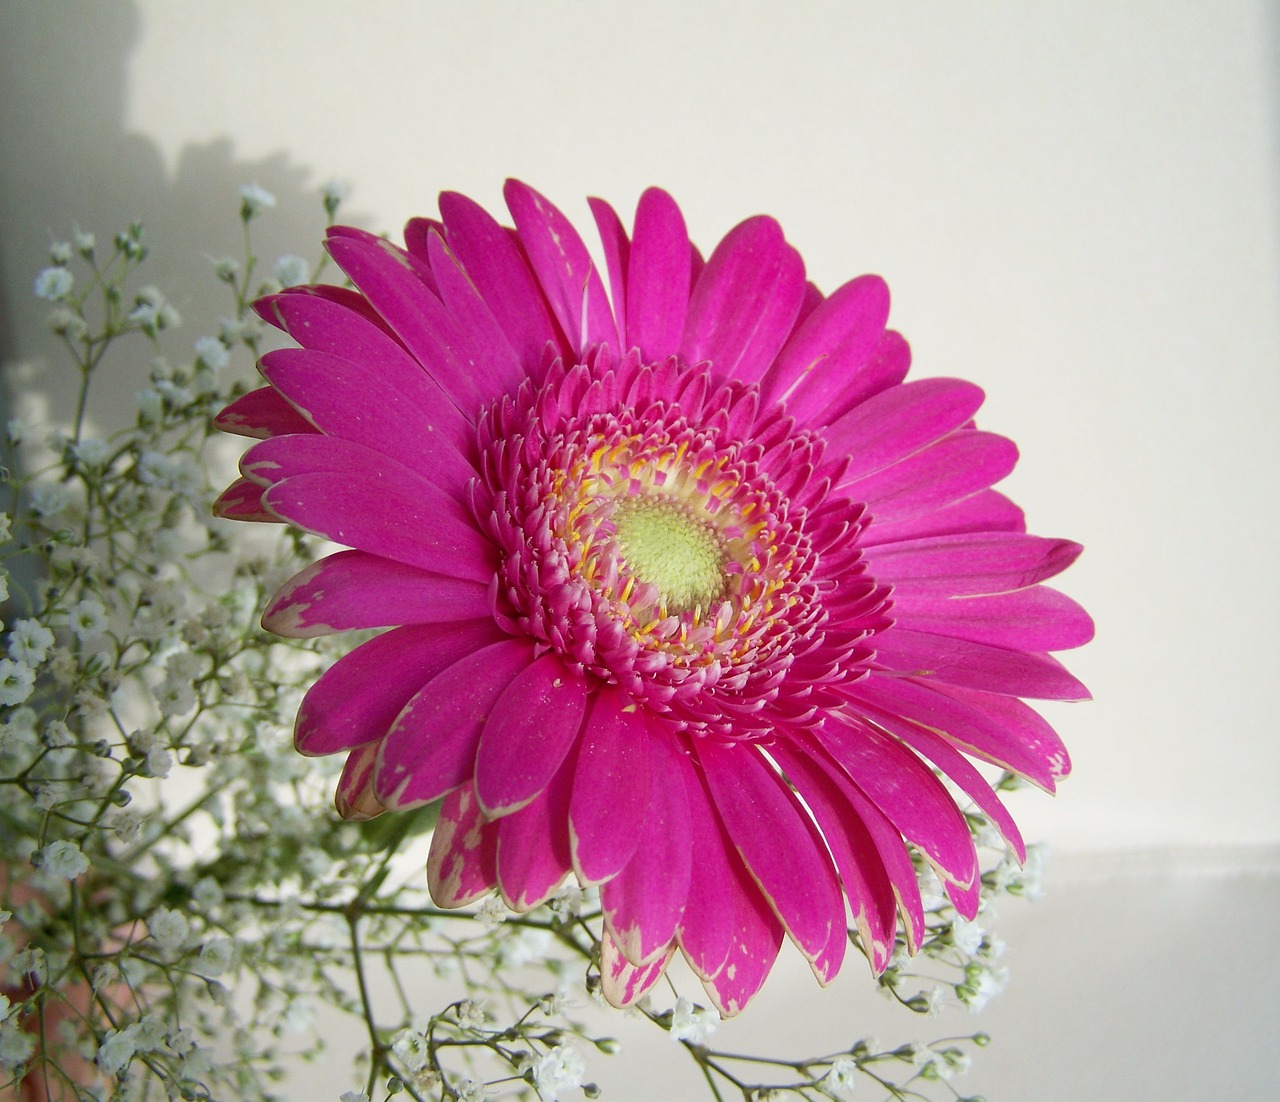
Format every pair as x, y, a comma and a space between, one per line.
664, 545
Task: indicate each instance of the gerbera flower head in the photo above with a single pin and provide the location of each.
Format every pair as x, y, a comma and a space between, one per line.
690, 594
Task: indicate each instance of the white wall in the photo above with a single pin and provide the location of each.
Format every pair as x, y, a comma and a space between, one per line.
1075, 204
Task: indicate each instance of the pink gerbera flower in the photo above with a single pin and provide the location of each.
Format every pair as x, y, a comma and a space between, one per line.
691, 595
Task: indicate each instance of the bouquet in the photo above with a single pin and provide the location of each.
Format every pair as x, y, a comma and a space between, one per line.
670, 623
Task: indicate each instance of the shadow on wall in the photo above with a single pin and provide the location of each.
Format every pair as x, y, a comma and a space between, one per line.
68, 161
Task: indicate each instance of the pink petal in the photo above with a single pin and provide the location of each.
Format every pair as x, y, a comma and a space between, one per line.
283, 457
998, 729
755, 932
1034, 619
745, 302
898, 422
563, 267
976, 666
533, 845
862, 872
489, 356
419, 319
431, 746
783, 850
390, 405
261, 413
501, 275
955, 468
886, 367
528, 733
621, 982
462, 863
338, 321
643, 904
710, 916
888, 844
954, 764
354, 589
617, 252
658, 277
984, 512
358, 698
387, 516
242, 500
971, 564
355, 798
908, 793
610, 789
828, 350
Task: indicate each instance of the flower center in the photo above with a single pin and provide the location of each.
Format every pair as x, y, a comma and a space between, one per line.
664, 544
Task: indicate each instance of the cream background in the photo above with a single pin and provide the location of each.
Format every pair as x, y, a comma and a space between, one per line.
1075, 205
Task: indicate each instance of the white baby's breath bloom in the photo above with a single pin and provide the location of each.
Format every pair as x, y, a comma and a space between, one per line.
967, 936
17, 679
254, 200
60, 252
333, 191
29, 642
84, 242
471, 1014
116, 1050
353, 1096
16, 1044
492, 912
49, 499
91, 451
175, 698
150, 404
291, 270
930, 1064
20, 430
87, 619
57, 735
989, 983
6, 524
54, 283
4, 584
207, 892
66, 323
158, 762
558, 1071
168, 928
215, 957
842, 1077
63, 858
472, 1090
212, 353
691, 1023
410, 1048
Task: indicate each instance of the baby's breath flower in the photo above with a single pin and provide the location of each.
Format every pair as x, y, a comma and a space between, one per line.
16, 1045
150, 404
54, 283
17, 679
168, 928
49, 499
967, 936
291, 270
6, 522
691, 1023
333, 192
60, 252
254, 200
842, 1076
214, 958
558, 1071
174, 698
116, 1050
91, 451
29, 642
492, 912
84, 242
212, 353
67, 323
87, 619
410, 1048
64, 859
226, 268
353, 1096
